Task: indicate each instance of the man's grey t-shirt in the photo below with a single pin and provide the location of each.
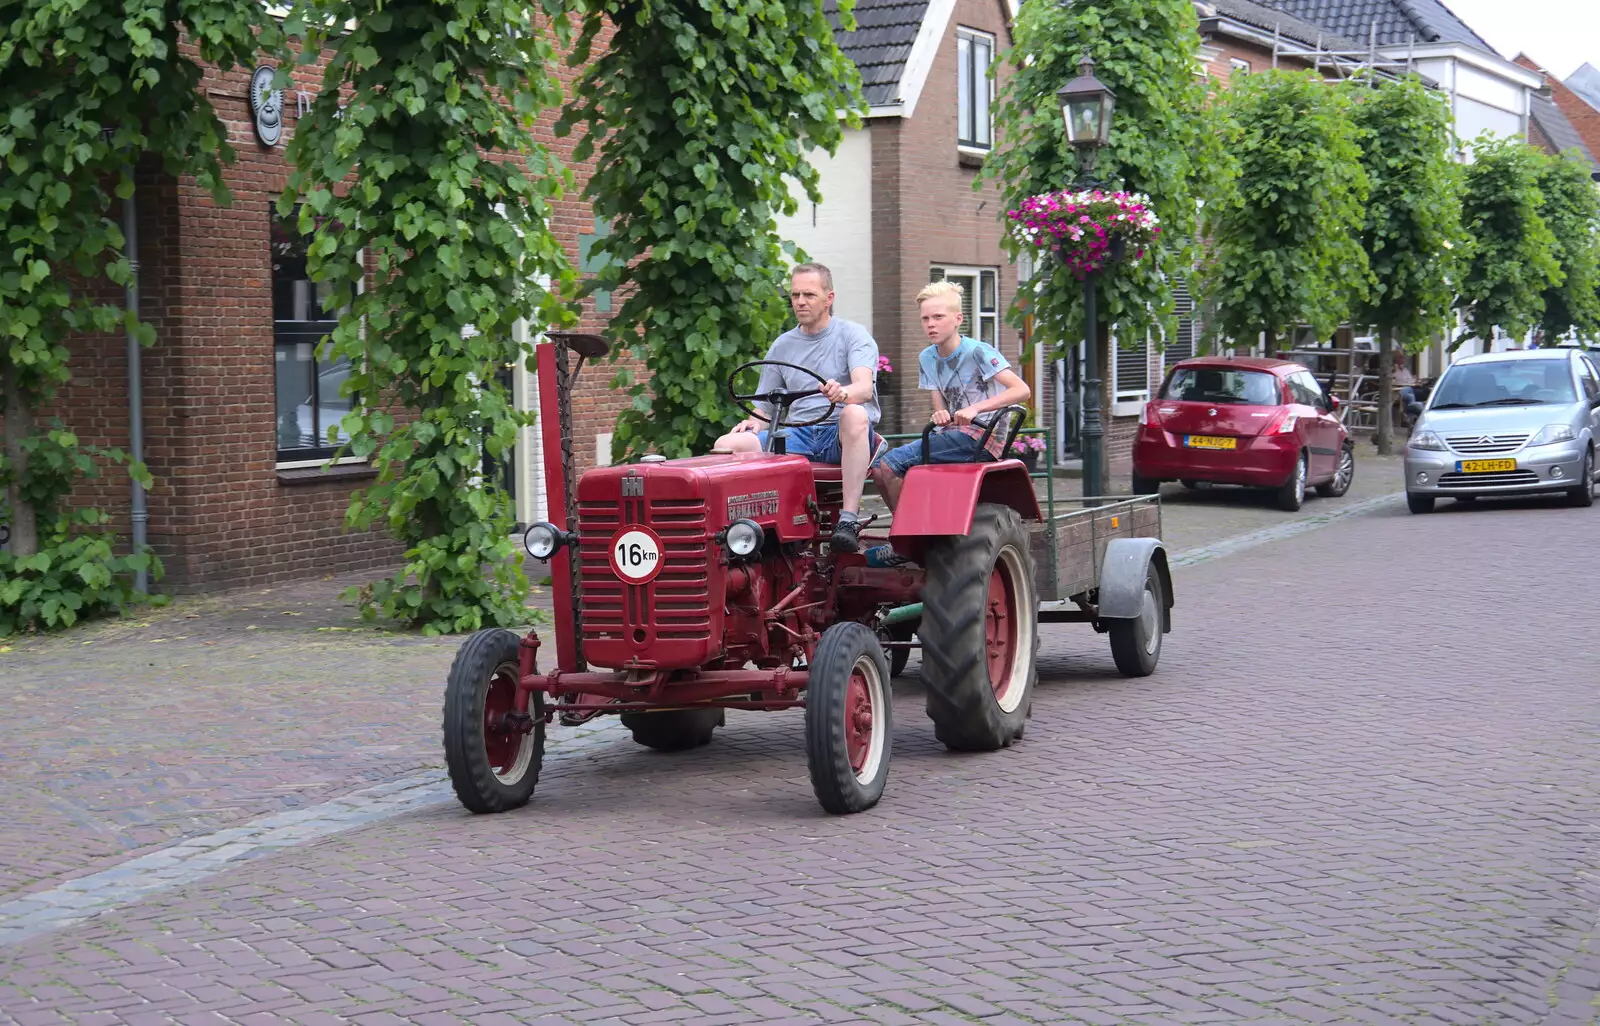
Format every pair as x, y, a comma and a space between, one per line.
832, 353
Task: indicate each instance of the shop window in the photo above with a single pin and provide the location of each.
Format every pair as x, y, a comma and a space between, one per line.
309, 385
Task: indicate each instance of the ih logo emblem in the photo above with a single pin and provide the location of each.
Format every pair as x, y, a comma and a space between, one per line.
632, 487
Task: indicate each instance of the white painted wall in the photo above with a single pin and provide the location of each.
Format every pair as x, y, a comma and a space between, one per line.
838, 231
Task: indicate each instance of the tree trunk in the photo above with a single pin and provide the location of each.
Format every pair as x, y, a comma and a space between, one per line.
1386, 392
1269, 348
19, 426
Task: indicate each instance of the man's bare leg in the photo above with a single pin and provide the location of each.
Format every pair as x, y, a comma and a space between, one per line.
853, 455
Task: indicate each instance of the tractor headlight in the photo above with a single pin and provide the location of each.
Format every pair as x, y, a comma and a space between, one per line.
743, 537
542, 540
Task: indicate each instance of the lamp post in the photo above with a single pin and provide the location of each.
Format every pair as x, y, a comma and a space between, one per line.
1086, 105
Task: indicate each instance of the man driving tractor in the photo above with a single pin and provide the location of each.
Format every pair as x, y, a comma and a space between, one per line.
838, 351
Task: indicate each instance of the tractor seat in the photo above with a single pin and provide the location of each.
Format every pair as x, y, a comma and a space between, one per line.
827, 473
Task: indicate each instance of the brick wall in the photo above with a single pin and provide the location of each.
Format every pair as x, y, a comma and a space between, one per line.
220, 514
1584, 118
926, 214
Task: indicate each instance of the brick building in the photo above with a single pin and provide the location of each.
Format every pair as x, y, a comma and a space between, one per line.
235, 402
1561, 118
899, 209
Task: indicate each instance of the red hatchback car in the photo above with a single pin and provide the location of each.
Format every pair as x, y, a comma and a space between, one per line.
1244, 421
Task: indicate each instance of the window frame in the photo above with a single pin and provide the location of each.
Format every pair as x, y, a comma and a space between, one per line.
970, 79
973, 298
323, 453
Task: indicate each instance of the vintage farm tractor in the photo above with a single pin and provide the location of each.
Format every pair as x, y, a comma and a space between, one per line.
686, 587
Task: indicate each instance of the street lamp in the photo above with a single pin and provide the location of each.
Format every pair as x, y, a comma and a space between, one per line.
1086, 106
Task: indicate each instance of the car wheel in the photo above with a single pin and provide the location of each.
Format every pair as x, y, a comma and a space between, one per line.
1419, 503
1343, 474
1293, 492
1145, 485
1191, 484
1583, 495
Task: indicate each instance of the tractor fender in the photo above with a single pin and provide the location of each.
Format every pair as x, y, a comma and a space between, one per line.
939, 498
1123, 571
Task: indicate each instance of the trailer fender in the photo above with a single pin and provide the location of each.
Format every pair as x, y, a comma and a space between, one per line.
1123, 571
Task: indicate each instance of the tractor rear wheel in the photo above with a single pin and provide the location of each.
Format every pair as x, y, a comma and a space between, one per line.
848, 721
674, 730
980, 632
493, 764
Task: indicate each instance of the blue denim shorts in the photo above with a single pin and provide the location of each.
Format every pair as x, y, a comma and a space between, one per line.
943, 447
819, 443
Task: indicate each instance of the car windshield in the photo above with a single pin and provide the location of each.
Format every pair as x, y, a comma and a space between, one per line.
1223, 385
1505, 383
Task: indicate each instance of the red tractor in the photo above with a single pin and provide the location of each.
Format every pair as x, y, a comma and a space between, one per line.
683, 588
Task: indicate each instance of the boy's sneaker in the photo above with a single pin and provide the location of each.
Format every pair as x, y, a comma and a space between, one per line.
884, 556
877, 453
846, 536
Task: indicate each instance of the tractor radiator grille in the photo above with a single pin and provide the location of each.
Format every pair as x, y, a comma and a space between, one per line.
676, 606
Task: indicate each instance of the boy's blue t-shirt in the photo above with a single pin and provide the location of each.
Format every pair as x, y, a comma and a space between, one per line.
965, 377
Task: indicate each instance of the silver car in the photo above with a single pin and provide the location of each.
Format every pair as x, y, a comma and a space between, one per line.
1507, 424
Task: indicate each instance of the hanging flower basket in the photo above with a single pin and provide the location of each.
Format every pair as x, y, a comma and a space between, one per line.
1089, 228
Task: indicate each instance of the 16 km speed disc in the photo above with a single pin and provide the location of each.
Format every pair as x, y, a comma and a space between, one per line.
636, 555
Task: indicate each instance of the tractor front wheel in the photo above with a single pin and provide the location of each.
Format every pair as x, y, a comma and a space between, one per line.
848, 722
674, 730
980, 632
494, 760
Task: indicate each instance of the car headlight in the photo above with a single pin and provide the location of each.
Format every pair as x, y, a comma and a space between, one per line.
743, 537
542, 540
1553, 433
1427, 440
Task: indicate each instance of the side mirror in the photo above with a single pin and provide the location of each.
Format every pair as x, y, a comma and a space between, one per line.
1413, 410
1333, 404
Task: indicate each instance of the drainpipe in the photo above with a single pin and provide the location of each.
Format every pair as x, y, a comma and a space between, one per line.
140, 513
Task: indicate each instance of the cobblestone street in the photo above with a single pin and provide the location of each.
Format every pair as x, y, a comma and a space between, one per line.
1362, 787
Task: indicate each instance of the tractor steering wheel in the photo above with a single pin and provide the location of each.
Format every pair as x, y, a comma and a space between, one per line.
780, 399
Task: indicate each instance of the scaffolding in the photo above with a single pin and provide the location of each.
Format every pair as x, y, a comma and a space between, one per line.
1344, 63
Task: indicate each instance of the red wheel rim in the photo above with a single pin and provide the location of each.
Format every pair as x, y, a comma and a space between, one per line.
1000, 629
501, 743
858, 720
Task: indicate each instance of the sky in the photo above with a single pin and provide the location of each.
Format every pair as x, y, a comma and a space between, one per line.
1559, 35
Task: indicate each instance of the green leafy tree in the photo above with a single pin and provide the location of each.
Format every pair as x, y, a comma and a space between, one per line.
1286, 249
1413, 221
1571, 209
1163, 144
90, 87
1511, 260
417, 163
696, 113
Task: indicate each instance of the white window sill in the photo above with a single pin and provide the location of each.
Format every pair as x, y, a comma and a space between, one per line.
1128, 407
304, 464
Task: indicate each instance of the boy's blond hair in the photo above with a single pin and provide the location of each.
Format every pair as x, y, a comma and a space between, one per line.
937, 289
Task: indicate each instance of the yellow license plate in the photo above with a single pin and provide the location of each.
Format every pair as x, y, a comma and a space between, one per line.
1486, 466
1210, 442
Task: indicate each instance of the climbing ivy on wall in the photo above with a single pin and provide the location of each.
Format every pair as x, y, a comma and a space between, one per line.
88, 88
697, 111
417, 164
